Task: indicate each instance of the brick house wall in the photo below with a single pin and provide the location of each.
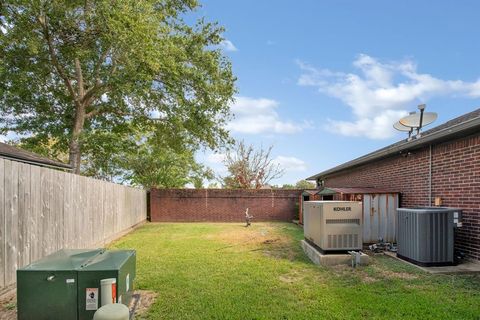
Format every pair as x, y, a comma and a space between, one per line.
455, 179
222, 205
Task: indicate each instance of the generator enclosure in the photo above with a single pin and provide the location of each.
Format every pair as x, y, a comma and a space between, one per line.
426, 234
66, 284
333, 225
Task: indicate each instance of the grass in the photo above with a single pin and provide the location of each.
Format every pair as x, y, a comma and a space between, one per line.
11, 306
227, 271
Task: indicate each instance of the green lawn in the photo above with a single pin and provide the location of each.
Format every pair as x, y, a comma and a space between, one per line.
227, 271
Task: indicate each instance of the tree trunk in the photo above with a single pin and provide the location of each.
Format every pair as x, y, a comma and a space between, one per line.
74, 155
75, 146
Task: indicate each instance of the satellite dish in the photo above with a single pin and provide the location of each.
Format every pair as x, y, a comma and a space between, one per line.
401, 127
415, 120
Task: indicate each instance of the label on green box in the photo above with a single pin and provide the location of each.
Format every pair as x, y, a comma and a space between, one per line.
91, 302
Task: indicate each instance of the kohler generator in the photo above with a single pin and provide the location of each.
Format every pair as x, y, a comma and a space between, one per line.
333, 225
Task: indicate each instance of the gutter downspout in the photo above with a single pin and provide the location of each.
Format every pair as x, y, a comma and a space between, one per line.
430, 177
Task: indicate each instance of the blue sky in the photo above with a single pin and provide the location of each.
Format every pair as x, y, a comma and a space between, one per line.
323, 81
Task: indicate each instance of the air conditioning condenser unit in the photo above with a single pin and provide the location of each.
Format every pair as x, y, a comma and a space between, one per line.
426, 234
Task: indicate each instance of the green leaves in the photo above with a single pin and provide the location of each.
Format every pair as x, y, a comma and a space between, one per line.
304, 184
136, 59
165, 168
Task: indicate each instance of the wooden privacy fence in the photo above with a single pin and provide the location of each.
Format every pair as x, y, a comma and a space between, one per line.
44, 210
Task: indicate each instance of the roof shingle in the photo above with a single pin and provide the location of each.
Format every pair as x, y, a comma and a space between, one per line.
14, 153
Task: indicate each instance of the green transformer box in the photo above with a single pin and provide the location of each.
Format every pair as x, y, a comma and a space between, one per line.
66, 285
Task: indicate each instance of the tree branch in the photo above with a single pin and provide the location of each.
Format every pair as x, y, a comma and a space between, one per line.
78, 71
96, 77
96, 112
53, 56
96, 70
90, 93
93, 113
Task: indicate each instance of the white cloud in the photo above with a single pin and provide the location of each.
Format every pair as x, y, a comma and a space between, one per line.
253, 116
216, 158
380, 93
291, 163
227, 45
375, 127
157, 115
11, 136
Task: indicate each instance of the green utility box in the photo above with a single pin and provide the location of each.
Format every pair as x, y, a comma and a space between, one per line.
66, 285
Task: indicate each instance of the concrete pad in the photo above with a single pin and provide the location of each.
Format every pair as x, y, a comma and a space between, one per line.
463, 268
330, 259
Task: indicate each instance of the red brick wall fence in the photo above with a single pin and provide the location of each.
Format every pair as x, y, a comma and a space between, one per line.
222, 205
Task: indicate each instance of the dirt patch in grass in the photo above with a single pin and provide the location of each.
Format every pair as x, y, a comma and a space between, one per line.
242, 235
8, 306
376, 273
145, 300
263, 238
368, 279
389, 274
279, 248
345, 271
291, 277
341, 270
251, 236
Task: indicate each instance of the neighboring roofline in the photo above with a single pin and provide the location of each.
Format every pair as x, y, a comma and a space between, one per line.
47, 164
311, 192
327, 192
356, 190
462, 129
62, 166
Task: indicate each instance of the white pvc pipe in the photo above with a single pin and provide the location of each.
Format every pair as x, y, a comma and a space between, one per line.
108, 291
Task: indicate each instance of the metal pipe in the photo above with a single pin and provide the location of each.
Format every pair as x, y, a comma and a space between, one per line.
430, 177
422, 109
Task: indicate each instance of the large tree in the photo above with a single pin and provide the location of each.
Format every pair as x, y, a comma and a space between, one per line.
304, 184
93, 78
160, 166
250, 168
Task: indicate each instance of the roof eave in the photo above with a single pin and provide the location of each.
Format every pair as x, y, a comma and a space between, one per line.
467, 127
52, 164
